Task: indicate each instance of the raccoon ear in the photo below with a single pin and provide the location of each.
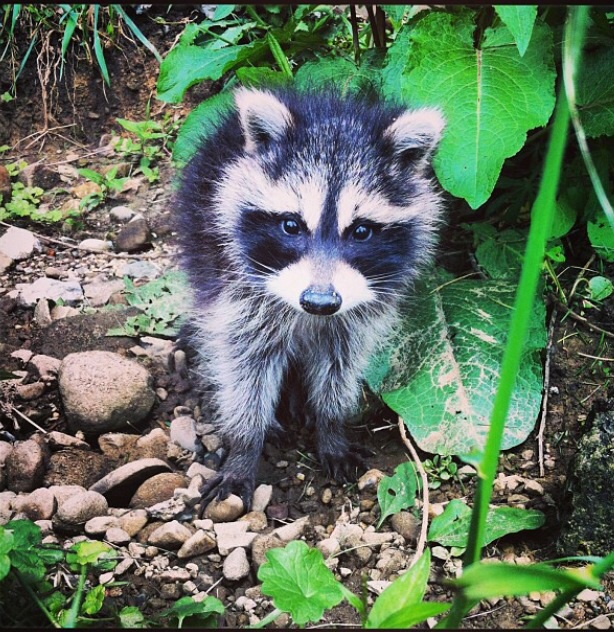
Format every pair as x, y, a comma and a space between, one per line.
264, 118
415, 135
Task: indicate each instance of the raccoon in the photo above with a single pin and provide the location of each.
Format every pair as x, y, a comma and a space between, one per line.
303, 221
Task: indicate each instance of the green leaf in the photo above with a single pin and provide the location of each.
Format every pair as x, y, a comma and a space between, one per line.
223, 11
398, 601
490, 96
198, 611
450, 345
451, 528
397, 492
484, 581
93, 600
519, 20
87, 552
501, 254
131, 617
200, 124
600, 288
299, 582
337, 71
601, 236
564, 218
6, 544
186, 66
261, 77
595, 92
24, 556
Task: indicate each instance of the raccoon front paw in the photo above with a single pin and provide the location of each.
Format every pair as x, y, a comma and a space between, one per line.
344, 467
224, 484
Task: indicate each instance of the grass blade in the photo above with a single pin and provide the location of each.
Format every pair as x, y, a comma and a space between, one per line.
98, 48
137, 32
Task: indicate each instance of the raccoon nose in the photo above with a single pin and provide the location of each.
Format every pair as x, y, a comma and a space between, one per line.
321, 302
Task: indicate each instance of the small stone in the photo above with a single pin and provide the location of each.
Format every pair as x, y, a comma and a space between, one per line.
38, 505
198, 544
533, 486
601, 622
329, 547
257, 521
157, 489
25, 465
77, 510
212, 442
370, 480
59, 440
262, 497
99, 293
170, 536
52, 272
231, 535
117, 536
95, 245
327, 496
5, 263
133, 521
121, 213
46, 367
183, 433
281, 464
29, 392
236, 565
292, 531
588, 595
69, 292
349, 535
405, 524
100, 524
140, 270
198, 469
18, 243
133, 236
225, 510
63, 311
377, 539
42, 315
23, 355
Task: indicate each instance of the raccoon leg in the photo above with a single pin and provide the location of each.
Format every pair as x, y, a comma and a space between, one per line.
246, 399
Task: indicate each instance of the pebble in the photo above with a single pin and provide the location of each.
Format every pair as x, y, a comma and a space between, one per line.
183, 433
257, 521
370, 480
38, 505
157, 489
588, 595
129, 475
140, 270
95, 245
406, 524
236, 565
63, 311
25, 465
171, 535
231, 535
133, 236
46, 367
133, 521
117, 536
42, 315
601, 622
18, 243
198, 544
78, 509
294, 530
100, 524
69, 292
329, 547
212, 442
121, 213
327, 496
225, 510
52, 272
262, 497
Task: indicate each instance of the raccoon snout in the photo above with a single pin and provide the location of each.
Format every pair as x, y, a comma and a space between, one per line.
320, 302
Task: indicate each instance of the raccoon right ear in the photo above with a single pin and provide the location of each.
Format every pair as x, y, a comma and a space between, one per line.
264, 118
415, 135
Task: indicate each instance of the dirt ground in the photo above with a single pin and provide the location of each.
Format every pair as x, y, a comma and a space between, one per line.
67, 121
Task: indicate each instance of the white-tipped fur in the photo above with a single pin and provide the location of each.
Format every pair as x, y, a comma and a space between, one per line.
289, 283
417, 128
260, 111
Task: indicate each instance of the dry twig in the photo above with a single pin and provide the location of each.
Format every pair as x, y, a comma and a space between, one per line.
544, 411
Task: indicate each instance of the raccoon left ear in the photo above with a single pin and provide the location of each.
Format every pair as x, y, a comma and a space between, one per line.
415, 135
263, 117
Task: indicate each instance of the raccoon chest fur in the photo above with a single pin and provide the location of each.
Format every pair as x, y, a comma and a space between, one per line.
303, 222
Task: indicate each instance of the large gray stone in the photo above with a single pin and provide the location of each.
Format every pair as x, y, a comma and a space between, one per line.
18, 243
102, 391
70, 292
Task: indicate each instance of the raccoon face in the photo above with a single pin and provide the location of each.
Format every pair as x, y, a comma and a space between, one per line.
330, 204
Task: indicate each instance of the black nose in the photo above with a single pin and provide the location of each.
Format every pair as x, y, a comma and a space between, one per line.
321, 302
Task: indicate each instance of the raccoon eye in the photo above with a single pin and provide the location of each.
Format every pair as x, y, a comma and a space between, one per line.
290, 227
362, 232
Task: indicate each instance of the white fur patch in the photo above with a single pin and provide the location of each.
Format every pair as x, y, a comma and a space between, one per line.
356, 203
259, 109
417, 128
288, 284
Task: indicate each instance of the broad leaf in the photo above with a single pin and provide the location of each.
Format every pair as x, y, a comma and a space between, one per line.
131, 617
299, 582
25, 550
491, 96
6, 544
441, 370
451, 528
201, 613
501, 255
595, 92
600, 288
519, 19
601, 236
397, 492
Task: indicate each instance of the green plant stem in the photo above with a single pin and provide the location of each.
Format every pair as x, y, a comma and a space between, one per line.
542, 215
75, 606
36, 599
268, 619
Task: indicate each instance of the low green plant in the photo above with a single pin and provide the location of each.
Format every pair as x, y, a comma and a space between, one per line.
440, 469
162, 302
398, 492
106, 182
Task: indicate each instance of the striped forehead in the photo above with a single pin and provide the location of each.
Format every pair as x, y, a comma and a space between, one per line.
357, 203
246, 182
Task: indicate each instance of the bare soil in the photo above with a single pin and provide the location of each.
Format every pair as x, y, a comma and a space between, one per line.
68, 120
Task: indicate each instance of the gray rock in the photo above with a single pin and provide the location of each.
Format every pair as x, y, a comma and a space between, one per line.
157, 489
117, 536
63, 311
18, 243
42, 315
225, 510
231, 535
173, 508
133, 236
170, 536
133, 521
141, 270
100, 524
121, 213
236, 565
198, 469
95, 245
25, 465
73, 513
63, 492
263, 543
293, 531
99, 292
119, 391
46, 367
183, 433
262, 497
369, 481
69, 292
5, 263
329, 547
38, 505
119, 485
154, 444
59, 440
198, 544
405, 524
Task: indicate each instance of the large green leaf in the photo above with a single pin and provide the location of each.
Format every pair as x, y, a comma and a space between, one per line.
441, 370
595, 94
491, 96
601, 236
520, 20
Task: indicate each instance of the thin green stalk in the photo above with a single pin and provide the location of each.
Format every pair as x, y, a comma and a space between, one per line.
75, 606
542, 216
35, 598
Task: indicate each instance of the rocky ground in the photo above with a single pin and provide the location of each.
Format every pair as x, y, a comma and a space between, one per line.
104, 437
